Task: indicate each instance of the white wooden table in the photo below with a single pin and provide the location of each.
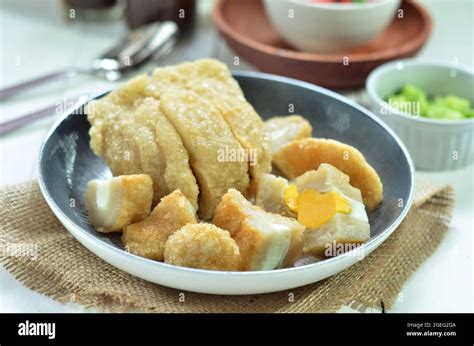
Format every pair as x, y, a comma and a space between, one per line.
34, 38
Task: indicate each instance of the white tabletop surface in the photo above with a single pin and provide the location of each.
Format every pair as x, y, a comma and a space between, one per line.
35, 39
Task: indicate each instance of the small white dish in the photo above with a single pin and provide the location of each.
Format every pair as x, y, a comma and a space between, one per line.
330, 27
433, 144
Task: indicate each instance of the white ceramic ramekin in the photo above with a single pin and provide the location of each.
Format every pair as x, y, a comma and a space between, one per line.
433, 144
329, 28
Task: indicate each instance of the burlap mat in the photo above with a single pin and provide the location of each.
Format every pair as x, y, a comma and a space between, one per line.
49, 260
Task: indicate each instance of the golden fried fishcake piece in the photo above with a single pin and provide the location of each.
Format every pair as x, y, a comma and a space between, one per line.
133, 90
213, 81
97, 116
283, 129
306, 154
270, 195
328, 178
248, 128
352, 227
266, 241
205, 134
341, 229
202, 246
162, 152
199, 76
103, 113
118, 202
132, 135
147, 155
121, 153
148, 237
112, 136
108, 140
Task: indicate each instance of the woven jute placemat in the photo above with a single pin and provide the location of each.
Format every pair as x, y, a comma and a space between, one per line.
43, 256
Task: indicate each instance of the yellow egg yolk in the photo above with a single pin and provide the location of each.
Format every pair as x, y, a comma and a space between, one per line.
314, 208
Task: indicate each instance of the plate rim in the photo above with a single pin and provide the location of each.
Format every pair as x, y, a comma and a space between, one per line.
249, 74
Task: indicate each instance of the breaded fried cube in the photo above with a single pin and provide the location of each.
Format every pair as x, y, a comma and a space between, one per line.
307, 154
202, 246
270, 195
266, 241
148, 237
342, 228
119, 201
282, 130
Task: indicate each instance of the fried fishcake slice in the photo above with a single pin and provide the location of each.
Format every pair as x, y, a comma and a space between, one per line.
148, 237
213, 81
206, 77
112, 134
202, 246
107, 140
148, 157
162, 153
270, 195
132, 135
328, 178
342, 228
121, 152
306, 154
248, 128
205, 134
119, 201
106, 111
281, 130
131, 91
266, 241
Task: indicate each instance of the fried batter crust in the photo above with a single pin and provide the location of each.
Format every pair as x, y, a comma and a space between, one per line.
213, 82
133, 136
307, 154
281, 130
266, 241
270, 195
129, 201
202, 246
148, 237
204, 135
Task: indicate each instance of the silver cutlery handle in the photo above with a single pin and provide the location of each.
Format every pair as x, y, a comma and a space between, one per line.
20, 87
25, 119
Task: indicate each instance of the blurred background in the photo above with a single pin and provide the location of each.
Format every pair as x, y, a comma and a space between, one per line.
43, 36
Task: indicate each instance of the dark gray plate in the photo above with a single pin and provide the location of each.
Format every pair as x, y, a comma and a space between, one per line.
67, 163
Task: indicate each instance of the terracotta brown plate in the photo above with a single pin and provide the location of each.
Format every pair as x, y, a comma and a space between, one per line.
247, 30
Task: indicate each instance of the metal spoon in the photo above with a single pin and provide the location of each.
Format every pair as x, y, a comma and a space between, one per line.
139, 46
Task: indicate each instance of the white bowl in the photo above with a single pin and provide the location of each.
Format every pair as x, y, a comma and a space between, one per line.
433, 144
329, 28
